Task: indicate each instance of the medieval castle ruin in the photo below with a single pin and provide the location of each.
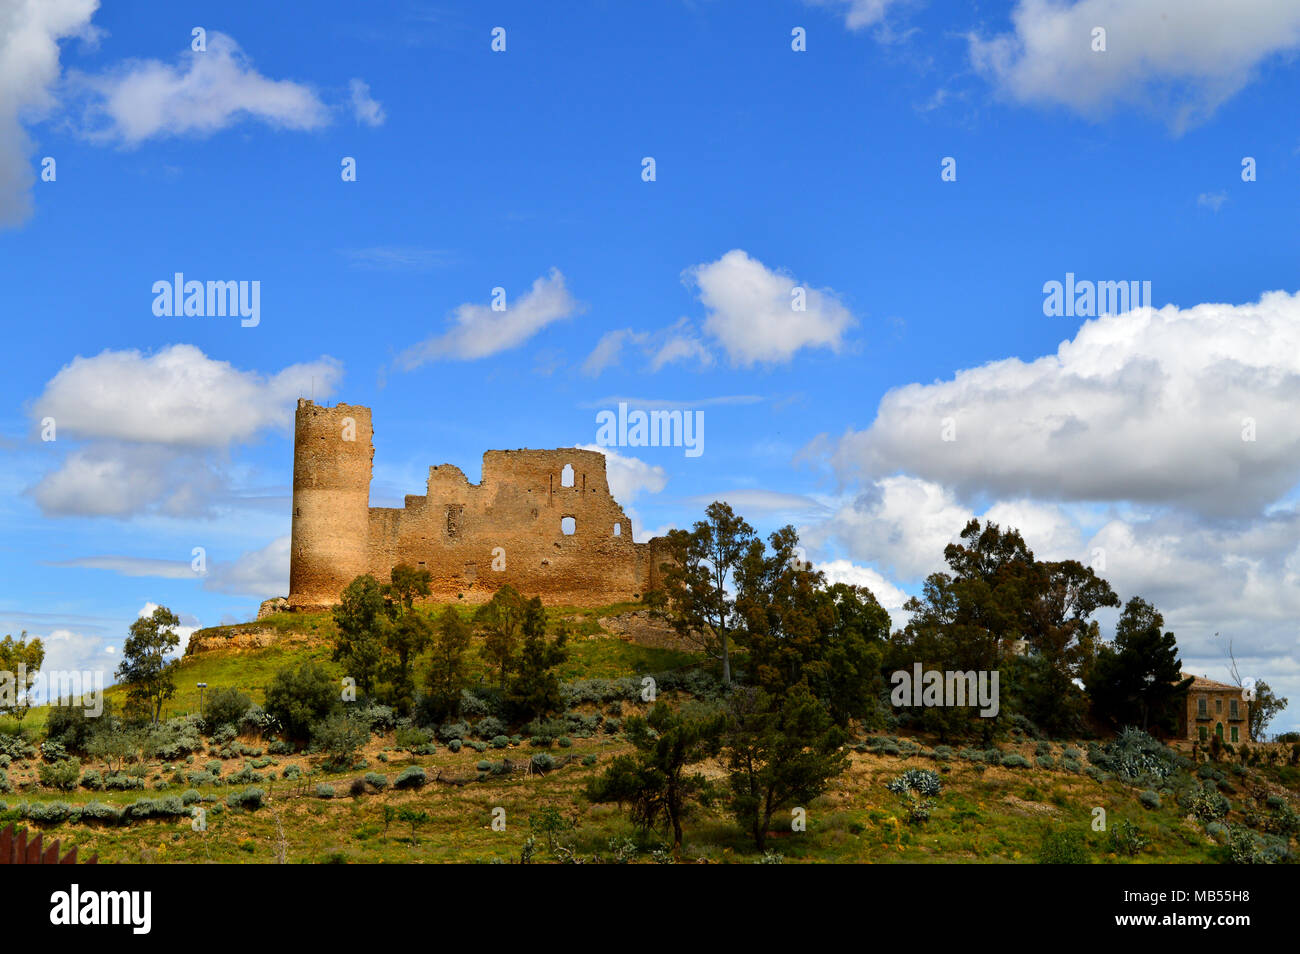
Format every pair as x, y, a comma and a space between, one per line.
542, 521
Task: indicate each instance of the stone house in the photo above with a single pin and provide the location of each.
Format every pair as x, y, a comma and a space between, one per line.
1214, 709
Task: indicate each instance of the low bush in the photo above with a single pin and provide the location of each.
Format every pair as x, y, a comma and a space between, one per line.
250, 799
411, 777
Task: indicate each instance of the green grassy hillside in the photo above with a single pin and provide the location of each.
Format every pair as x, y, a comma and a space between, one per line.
993, 807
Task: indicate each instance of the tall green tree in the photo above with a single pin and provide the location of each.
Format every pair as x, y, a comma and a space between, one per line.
145, 670
655, 781
20, 661
698, 579
534, 689
1263, 708
501, 622
797, 629
448, 672
780, 753
407, 583
1138, 681
362, 619
405, 639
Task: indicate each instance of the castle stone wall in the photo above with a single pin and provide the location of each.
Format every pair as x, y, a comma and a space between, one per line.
472, 538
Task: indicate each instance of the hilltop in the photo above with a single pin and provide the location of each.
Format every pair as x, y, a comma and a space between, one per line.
261, 803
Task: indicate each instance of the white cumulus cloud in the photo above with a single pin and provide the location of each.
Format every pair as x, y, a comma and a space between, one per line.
30, 33
205, 92
1188, 407
1178, 58
478, 332
752, 312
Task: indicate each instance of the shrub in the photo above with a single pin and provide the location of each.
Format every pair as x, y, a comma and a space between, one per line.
291, 772
489, 728
918, 810
202, 778
483, 765
1218, 831
1134, 756
1150, 799
972, 755
190, 796
121, 782
377, 718
299, 698
1244, 848
453, 730
69, 726
1070, 765
245, 776
1044, 761
454, 745
48, 813
411, 777
16, 747
250, 799
500, 741
1126, 839
324, 790
942, 753
225, 706
1014, 760
922, 781
92, 781
477, 746
62, 775
99, 812
411, 738
564, 742
376, 781
541, 762
1205, 803
1063, 846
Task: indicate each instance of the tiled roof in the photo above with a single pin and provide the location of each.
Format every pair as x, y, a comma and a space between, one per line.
1200, 682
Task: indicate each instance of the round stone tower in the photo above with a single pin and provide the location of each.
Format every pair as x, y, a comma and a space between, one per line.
333, 453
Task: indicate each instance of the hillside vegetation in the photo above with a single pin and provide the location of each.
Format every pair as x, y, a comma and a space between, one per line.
992, 807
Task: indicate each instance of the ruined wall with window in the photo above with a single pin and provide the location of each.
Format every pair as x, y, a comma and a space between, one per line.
542, 521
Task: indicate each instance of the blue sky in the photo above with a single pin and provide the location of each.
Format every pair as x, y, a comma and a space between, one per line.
775, 169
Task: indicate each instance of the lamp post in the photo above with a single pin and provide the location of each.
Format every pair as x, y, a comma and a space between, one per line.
202, 686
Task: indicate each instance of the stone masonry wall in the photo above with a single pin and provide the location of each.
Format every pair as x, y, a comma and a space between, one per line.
472, 538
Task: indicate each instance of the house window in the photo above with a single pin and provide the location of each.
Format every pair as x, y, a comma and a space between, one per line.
1202, 707
1218, 704
1234, 734
1200, 731
618, 529
568, 526
1232, 709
